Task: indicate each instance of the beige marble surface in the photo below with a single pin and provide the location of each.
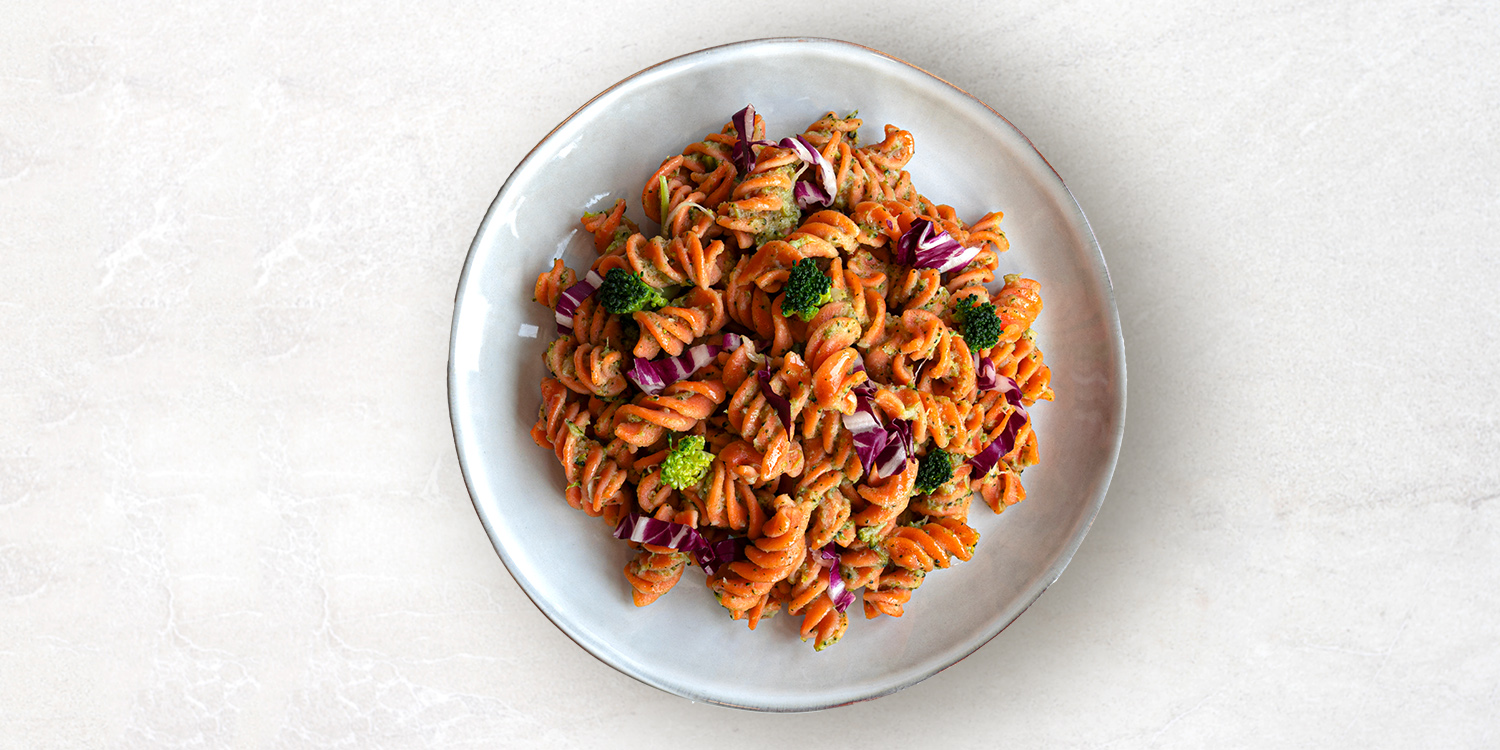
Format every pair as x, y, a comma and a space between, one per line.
230, 509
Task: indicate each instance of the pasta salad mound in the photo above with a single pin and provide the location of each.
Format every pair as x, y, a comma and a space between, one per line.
799, 383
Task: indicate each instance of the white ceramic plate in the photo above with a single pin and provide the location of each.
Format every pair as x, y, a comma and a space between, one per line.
968, 157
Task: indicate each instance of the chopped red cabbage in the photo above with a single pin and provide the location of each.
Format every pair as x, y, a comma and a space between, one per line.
987, 458
985, 376
783, 406
841, 596
652, 376
926, 246
827, 184
869, 434
715, 555
648, 530
808, 194
892, 458
744, 124
568, 303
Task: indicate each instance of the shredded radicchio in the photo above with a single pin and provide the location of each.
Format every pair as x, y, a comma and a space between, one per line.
842, 597
864, 424
985, 376
744, 125
715, 555
821, 191
807, 195
892, 458
652, 376
783, 406
568, 303
1003, 445
710, 555
926, 246
648, 530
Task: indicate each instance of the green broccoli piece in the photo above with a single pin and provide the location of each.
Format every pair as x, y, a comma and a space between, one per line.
980, 325
686, 465
623, 293
934, 470
807, 289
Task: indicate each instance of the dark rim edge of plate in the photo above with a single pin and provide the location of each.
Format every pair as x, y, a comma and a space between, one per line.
1060, 563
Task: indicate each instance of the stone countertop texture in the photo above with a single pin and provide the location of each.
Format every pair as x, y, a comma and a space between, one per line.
231, 514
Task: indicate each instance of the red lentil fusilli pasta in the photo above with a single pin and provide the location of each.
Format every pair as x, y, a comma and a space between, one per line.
841, 376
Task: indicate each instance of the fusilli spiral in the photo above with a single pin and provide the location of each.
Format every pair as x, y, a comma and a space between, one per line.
776, 469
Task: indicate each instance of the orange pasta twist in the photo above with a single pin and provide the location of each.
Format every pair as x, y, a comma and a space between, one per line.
677, 408
808, 582
823, 623
1021, 361
655, 570
604, 416
669, 329
933, 544
727, 500
701, 177
752, 417
1018, 303
987, 230
552, 283
1002, 489
587, 369
610, 228
920, 289
876, 171
827, 228
887, 594
887, 497
596, 482
701, 265
828, 480
761, 207
861, 567
950, 371
880, 222
831, 336
650, 491
743, 585
951, 500
592, 324
832, 519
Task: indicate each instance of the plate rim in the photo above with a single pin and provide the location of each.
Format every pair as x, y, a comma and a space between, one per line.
1117, 344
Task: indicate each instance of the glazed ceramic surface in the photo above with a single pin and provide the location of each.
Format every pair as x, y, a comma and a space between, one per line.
968, 157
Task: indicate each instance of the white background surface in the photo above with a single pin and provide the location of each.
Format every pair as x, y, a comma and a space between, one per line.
230, 508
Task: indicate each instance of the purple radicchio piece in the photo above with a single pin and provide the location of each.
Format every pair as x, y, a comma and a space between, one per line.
925, 246
744, 125
986, 459
783, 407
568, 303
842, 597
651, 376
647, 530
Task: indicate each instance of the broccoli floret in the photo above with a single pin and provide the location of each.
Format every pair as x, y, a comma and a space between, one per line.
934, 470
807, 289
686, 464
980, 325
624, 293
